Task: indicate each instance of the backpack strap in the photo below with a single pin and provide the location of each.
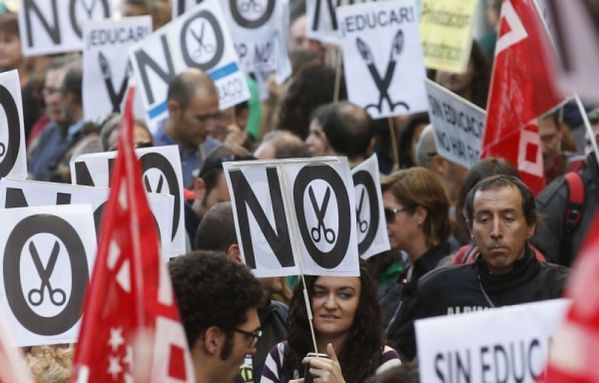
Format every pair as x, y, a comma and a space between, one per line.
573, 212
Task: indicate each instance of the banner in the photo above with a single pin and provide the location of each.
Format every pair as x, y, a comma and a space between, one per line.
46, 254
381, 47
370, 215
446, 33
161, 166
106, 69
302, 208
181, 6
55, 26
26, 193
458, 125
507, 344
13, 157
197, 39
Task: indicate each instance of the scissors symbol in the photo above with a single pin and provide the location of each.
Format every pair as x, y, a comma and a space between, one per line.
315, 232
202, 48
251, 5
36, 296
383, 84
362, 224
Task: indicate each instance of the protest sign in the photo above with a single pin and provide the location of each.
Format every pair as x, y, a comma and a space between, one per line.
13, 157
161, 174
381, 47
508, 344
292, 213
576, 32
25, 193
106, 70
446, 33
257, 28
321, 18
55, 26
46, 254
370, 215
197, 39
458, 125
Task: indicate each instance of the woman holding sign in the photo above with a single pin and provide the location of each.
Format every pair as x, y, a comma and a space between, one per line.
348, 329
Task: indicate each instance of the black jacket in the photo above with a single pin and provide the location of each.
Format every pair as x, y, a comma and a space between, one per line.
550, 237
393, 296
467, 288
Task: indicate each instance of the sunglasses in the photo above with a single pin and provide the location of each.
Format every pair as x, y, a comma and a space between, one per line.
253, 336
391, 212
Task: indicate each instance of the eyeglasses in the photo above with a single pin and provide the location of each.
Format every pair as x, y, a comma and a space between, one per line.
49, 91
390, 213
254, 336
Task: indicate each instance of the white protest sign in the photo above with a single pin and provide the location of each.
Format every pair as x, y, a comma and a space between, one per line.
370, 215
508, 344
25, 193
321, 19
13, 157
46, 256
576, 30
257, 31
458, 125
197, 39
292, 211
381, 46
161, 166
55, 26
106, 69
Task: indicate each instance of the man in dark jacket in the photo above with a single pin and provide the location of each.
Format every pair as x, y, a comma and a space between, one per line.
217, 232
501, 216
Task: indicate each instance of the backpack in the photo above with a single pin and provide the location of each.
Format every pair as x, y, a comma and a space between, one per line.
575, 203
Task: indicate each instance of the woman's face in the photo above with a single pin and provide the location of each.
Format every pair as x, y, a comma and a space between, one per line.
402, 225
456, 82
334, 304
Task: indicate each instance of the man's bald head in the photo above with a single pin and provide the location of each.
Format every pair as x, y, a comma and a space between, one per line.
188, 84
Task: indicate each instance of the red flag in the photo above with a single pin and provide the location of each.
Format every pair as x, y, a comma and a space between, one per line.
523, 87
131, 329
12, 366
573, 356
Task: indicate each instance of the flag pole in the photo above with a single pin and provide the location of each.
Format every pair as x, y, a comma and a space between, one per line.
587, 125
394, 147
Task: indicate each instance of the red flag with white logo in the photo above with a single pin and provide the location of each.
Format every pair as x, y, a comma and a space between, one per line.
523, 87
12, 365
131, 331
573, 355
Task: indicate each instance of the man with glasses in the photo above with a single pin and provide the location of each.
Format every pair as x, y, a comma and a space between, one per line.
192, 102
62, 95
217, 300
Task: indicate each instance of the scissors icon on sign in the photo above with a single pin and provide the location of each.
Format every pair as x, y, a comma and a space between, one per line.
383, 83
251, 5
202, 48
36, 296
321, 229
362, 224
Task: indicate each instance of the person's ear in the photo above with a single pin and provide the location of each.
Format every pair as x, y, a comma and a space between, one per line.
531, 231
212, 340
199, 188
439, 165
174, 109
234, 253
420, 213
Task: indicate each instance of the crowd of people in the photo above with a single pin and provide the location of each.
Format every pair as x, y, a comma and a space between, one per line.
462, 240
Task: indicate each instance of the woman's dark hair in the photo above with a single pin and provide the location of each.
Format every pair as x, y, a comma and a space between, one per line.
407, 156
311, 87
363, 349
482, 169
